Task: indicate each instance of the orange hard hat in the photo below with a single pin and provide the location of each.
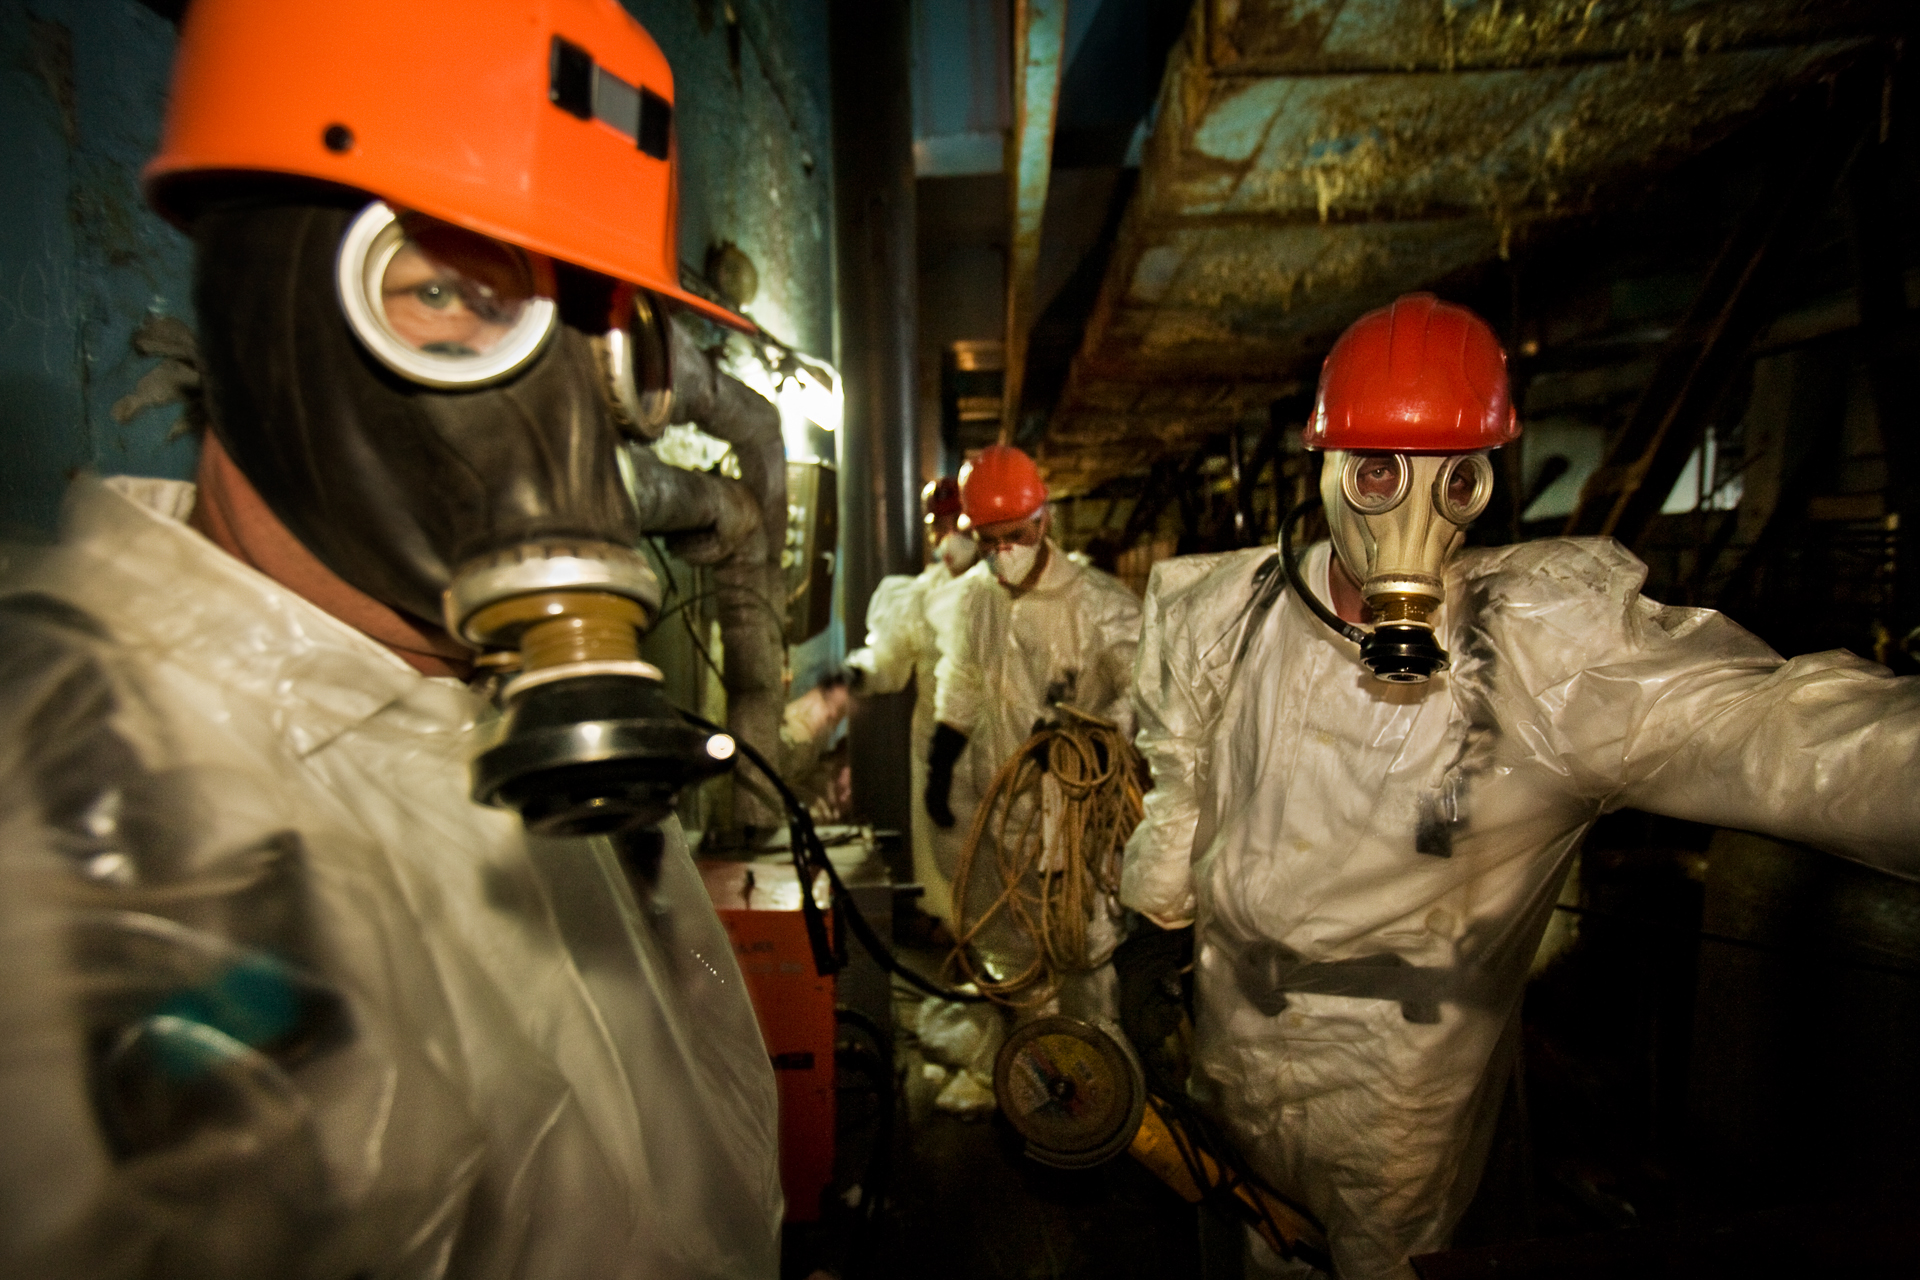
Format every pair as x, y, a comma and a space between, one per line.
543, 123
940, 497
1419, 376
1001, 484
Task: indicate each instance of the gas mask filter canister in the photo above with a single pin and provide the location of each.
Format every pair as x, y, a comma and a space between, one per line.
1396, 519
591, 743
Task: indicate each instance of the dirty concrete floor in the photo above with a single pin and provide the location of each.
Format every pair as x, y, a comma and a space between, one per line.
962, 1202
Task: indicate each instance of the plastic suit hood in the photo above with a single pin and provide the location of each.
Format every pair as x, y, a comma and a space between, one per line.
1372, 866
904, 618
361, 1025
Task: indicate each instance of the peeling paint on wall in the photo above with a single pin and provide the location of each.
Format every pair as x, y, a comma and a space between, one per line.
1315, 158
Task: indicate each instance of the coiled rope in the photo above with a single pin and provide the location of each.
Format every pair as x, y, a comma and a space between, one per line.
1049, 896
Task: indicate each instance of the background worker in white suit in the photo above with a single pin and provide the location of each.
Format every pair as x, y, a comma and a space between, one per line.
902, 645
1031, 632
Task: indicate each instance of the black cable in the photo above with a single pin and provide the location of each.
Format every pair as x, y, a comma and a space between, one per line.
878, 1064
1339, 626
810, 855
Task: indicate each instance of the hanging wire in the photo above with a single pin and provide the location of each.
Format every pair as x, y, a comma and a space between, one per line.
1048, 891
810, 860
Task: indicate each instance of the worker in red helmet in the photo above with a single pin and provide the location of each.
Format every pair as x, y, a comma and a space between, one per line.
1372, 766
1031, 631
324, 957
903, 645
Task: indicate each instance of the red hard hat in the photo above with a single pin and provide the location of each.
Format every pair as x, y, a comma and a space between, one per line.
941, 497
1420, 376
543, 123
1001, 484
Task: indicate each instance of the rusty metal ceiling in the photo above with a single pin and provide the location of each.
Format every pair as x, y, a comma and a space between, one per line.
1314, 158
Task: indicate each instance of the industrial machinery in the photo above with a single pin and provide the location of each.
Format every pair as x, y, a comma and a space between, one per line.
813, 530
1076, 1092
759, 906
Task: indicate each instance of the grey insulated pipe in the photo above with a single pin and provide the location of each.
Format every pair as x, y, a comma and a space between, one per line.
737, 527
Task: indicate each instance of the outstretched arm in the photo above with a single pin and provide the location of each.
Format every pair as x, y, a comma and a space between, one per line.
893, 617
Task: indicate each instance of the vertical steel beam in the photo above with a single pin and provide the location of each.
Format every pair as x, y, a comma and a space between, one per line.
1709, 348
1040, 28
870, 43
1880, 282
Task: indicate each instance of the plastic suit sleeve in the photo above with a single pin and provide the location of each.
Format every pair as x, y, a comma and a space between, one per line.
1692, 716
1118, 628
960, 679
893, 620
1175, 699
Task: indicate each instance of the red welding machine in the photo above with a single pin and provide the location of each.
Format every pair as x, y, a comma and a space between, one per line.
759, 903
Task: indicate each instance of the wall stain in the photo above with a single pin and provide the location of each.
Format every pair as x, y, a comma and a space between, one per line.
52, 55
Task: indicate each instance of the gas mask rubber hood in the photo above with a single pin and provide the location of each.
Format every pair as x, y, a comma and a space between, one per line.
496, 510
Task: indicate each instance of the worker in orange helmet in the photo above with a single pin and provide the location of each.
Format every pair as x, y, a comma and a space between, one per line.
1031, 631
1371, 768
283, 998
903, 625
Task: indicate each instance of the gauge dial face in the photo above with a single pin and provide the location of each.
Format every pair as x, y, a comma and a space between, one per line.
1070, 1089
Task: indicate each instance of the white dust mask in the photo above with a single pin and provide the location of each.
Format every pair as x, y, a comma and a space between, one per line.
958, 552
1012, 564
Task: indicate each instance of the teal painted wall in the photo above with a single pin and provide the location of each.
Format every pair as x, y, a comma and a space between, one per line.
82, 261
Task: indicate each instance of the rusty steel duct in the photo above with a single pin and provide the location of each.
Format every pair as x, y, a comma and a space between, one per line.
1312, 159
1039, 34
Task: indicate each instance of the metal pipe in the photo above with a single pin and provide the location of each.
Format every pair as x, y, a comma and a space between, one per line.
734, 526
1039, 49
876, 261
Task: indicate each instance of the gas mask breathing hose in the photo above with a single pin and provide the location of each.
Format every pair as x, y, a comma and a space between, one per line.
1398, 653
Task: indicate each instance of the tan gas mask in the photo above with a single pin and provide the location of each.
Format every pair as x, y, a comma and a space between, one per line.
1396, 519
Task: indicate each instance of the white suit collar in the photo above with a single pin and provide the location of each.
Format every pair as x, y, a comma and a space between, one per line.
164, 588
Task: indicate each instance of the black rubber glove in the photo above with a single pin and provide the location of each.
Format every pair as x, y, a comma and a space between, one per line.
948, 743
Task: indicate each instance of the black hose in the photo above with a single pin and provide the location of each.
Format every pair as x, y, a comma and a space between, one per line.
810, 855
1340, 626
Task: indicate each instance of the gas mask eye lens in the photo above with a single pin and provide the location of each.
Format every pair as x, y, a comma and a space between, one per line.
633, 353
1461, 490
1373, 483
440, 305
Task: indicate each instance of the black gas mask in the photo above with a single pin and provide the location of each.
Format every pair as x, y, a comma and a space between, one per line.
438, 416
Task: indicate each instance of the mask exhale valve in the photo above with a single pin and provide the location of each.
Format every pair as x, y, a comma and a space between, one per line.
591, 744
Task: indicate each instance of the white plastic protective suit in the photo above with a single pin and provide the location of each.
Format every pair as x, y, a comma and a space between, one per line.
1371, 866
281, 1000
1007, 662
904, 619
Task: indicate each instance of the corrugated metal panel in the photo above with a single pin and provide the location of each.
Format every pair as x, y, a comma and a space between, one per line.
1314, 158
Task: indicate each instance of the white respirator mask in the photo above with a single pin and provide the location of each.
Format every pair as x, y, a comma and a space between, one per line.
1012, 564
1396, 519
958, 552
